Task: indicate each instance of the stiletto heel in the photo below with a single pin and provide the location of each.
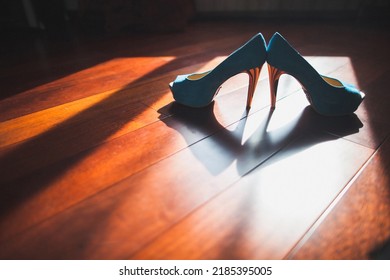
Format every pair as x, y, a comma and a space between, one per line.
199, 89
253, 78
273, 76
327, 96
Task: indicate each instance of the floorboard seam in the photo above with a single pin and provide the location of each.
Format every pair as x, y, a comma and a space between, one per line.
310, 231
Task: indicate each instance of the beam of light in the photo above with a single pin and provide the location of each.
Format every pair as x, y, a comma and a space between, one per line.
34, 124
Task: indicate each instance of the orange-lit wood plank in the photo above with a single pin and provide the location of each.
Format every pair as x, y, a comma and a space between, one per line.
95, 119
60, 140
113, 74
174, 186
269, 210
32, 125
71, 187
19, 129
97, 111
106, 77
94, 169
358, 226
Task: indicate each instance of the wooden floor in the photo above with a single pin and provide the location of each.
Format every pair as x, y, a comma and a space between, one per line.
98, 162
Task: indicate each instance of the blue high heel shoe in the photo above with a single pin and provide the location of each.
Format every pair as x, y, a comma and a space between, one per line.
328, 96
199, 89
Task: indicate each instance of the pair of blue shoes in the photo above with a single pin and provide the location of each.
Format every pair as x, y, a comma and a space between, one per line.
327, 96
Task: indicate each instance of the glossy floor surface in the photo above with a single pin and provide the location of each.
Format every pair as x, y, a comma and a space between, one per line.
98, 162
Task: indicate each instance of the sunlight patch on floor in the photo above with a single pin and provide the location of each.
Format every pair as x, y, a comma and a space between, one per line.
34, 124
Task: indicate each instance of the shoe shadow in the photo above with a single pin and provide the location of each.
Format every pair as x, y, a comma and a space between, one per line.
223, 146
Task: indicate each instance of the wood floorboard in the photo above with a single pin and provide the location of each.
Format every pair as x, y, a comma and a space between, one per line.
347, 232
125, 155
81, 135
114, 73
258, 216
112, 153
210, 166
98, 162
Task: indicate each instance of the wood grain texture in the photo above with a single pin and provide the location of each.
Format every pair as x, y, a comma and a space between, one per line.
98, 162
